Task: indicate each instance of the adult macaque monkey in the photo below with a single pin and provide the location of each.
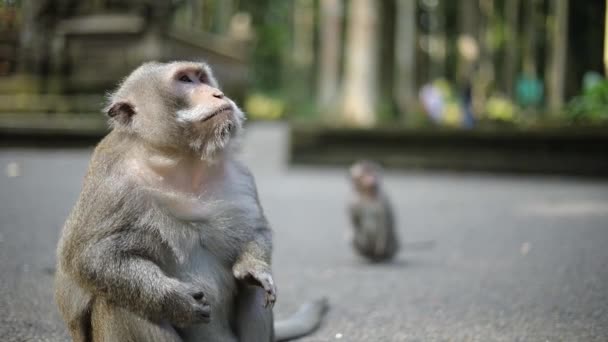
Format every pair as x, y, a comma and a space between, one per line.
374, 235
168, 241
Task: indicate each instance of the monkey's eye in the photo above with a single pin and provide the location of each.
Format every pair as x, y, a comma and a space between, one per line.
203, 78
185, 78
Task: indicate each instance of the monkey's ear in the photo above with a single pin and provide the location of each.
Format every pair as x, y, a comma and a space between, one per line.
121, 111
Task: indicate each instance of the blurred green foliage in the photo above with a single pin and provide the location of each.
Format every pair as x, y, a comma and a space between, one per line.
270, 22
264, 107
591, 105
280, 88
500, 108
8, 14
11, 3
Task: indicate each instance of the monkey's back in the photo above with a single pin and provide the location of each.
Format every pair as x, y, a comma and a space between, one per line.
374, 235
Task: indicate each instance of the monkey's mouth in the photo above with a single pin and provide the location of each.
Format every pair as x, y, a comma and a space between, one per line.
223, 109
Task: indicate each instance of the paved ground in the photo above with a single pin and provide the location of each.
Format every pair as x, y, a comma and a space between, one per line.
515, 258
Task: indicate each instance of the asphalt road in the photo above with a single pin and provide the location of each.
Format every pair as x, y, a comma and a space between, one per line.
486, 257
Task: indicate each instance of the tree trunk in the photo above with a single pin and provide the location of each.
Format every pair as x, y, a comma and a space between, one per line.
511, 46
438, 47
361, 73
405, 56
303, 38
224, 10
300, 76
606, 41
556, 69
482, 86
329, 54
530, 36
38, 23
196, 14
96, 5
468, 45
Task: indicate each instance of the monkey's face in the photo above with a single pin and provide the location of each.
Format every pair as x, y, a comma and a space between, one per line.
178, 105
209, 118
365, 177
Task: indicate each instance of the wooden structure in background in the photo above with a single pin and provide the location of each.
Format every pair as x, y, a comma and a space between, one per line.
70, 50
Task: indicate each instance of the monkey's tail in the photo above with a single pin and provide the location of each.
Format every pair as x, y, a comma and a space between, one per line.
306, 320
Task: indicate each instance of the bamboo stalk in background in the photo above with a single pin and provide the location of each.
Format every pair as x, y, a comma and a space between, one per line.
224, 10
360, 100
484, 80
196, 14
512, 45
405, 56
606, 41
468, 44
530, 37
331, 16
558, 40
303, 37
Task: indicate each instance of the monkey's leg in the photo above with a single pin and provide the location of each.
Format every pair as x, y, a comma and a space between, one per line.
75, 306
110, 323
364, 244
254, 322
381, 244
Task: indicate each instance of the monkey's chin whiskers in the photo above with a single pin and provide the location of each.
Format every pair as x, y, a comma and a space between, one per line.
223, 109
210, 144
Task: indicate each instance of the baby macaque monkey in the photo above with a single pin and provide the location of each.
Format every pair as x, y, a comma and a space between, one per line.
374, 235
168, 240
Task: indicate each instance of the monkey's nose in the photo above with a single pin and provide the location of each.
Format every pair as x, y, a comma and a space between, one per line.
218, 94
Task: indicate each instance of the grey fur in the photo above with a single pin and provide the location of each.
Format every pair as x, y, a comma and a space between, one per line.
305, 320
372, 218
135, 261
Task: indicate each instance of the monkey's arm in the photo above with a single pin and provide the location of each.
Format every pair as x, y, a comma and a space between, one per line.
74, 304
355, 215
360, 238
382, 233
118, 268
253, 265
386, 241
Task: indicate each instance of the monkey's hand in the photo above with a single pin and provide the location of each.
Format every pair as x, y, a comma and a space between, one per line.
186, 305
257, 274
